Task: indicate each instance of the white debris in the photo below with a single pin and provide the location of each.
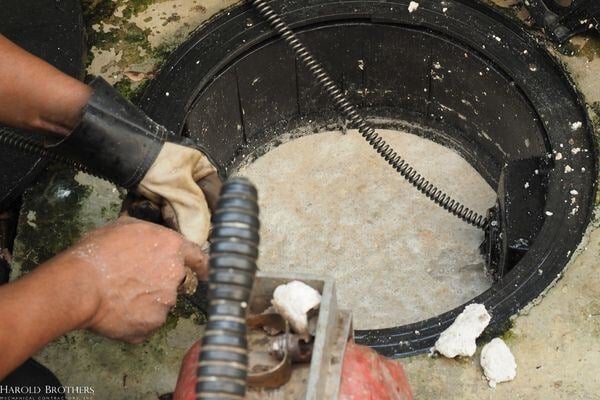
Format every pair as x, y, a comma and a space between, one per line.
574, 210
575, 150
549, 213
293, 301
558, 156
526, 185
459, 338
31, 219
498, 362
63, 193
574, 192
568, 169
576, 125
412, 6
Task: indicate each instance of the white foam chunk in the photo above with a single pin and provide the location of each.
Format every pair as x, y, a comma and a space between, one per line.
459, 338
293, 301
498, 362
412, 6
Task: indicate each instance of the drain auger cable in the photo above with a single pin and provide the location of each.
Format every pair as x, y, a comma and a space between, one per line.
350, 112
12, 138
343, 104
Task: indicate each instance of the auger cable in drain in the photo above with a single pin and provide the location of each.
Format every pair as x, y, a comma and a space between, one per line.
350, 112
341, 101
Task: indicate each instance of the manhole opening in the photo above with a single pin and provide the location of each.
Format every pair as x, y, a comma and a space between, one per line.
331, 206
459, 75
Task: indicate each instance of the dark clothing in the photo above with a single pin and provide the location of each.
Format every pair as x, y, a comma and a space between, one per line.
35, 380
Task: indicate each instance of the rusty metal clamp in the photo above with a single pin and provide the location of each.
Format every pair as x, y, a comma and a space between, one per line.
281, 373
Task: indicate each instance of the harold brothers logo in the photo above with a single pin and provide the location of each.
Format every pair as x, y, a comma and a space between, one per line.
46, 392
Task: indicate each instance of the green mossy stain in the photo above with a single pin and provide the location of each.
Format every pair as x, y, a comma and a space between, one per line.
49, 219
130, 89
171, 18
125, 36
508, 336
95, 11
164, 50
108, 212
128, 38
136, 6
496, 330
106, 31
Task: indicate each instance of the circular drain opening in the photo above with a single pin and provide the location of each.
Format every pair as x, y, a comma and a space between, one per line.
458, 74
331, 206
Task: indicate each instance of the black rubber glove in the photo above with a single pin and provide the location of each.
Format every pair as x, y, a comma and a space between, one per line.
116, 140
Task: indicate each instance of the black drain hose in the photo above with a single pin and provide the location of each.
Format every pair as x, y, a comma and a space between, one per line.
223, 359
350, 112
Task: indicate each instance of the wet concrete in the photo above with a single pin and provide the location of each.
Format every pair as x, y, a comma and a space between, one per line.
555, 342
56, 212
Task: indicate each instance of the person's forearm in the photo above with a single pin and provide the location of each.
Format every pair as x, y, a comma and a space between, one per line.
41, 306
36, 96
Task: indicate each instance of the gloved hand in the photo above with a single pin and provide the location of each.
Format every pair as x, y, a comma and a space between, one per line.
186, 185
116, 140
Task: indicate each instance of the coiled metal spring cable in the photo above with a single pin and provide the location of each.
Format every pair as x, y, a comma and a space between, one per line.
350, 112
223, 360
14, 139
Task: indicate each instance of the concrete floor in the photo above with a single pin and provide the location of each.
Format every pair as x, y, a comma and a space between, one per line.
556, 342
396, 257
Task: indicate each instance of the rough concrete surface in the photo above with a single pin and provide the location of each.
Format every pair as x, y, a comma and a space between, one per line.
556, 345
556, 342
396, 257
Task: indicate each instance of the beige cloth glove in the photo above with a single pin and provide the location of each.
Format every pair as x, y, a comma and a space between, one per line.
186, 185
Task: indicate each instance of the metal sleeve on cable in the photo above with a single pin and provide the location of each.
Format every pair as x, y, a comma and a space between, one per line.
350, 112
223, 360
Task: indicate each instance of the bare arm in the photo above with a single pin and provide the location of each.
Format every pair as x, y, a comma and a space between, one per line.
127, 150
36, 96
119, 281
40, 307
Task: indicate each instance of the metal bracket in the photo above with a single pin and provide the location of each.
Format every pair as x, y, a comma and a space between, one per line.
517, 217
562, 22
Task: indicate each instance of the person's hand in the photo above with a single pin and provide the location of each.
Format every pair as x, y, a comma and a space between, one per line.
136, 268
95, 126
185, 184
119, 281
